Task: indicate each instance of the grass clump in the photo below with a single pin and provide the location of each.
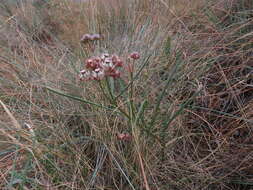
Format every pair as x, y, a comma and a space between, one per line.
153, 96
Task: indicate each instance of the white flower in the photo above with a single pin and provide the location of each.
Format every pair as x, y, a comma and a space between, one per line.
107, 64
104, 56
85, 75
98, 74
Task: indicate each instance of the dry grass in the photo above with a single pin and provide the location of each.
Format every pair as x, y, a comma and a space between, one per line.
188, 112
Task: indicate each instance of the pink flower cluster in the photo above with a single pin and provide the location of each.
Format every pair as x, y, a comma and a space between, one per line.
99, 67
90, 37
135, 55
124, 137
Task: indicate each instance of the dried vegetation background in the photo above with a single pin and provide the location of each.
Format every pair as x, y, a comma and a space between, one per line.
200, 52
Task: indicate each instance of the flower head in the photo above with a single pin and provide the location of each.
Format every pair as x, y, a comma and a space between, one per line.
85, 38
107, 64
99, 67
95, 37
104, 56
124, 136
85, 75
98, 74
116, 61
135, 55
90, 37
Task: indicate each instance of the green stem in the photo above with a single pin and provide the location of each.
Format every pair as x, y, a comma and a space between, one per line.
110, 90
131, 111
134, 77
111, 99
102, 89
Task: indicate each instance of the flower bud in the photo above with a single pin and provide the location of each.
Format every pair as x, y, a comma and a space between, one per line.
85, 38
95, 37
124, 137
135, 55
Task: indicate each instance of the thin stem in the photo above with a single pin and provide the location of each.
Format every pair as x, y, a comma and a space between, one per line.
110, 90
78, 99
111, 99
161, 96
135, 77
131, 111
102, 89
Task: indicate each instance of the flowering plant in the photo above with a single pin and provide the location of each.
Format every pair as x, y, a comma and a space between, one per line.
105, 66
98, 68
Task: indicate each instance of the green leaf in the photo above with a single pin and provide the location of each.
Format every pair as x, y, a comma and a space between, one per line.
78, 99
141, 111
167, 46
161, 96
181, 109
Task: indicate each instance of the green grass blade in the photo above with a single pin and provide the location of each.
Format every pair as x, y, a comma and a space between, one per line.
123, 171
141, 111
78, 99
181, 109
223, 113
157, 106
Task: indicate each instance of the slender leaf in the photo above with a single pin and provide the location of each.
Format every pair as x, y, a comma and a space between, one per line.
161, 96
141, 111
78, 99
